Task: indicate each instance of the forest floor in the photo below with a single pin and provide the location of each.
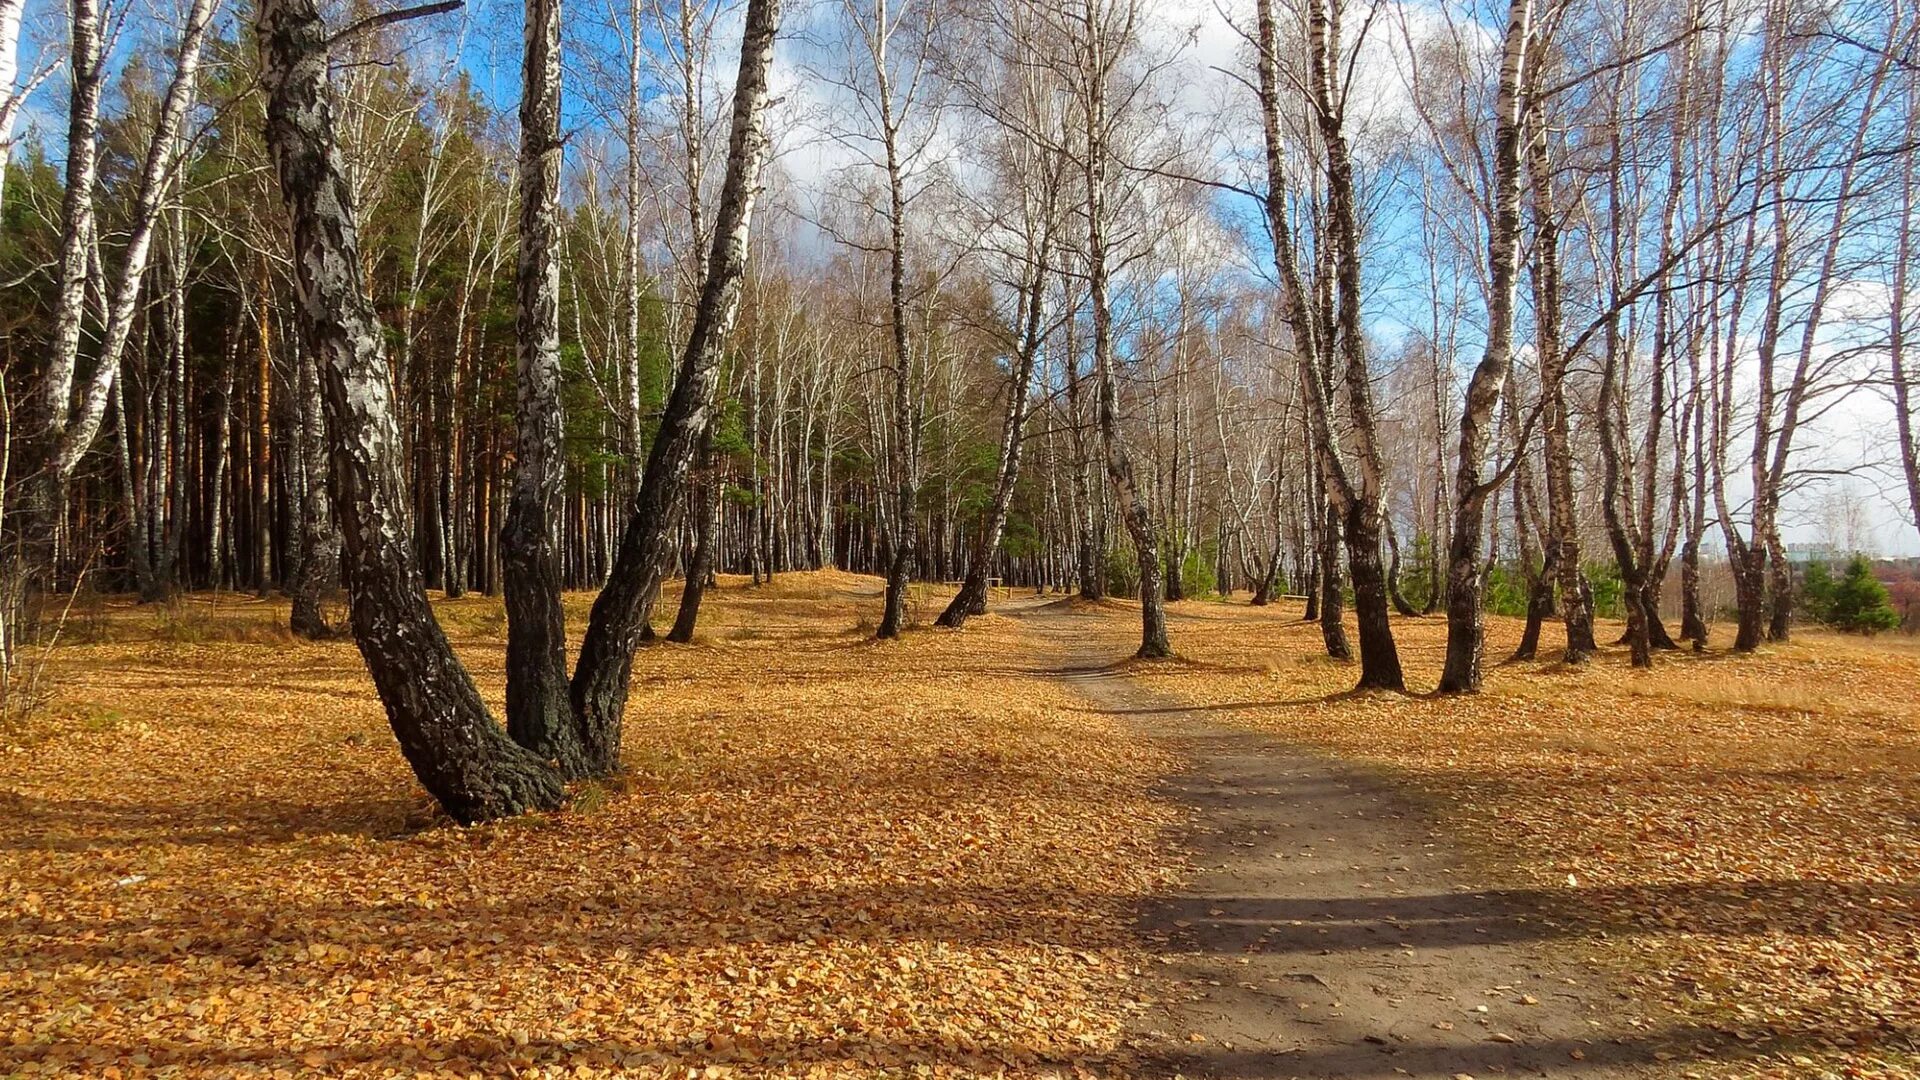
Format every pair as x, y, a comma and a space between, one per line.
970, 853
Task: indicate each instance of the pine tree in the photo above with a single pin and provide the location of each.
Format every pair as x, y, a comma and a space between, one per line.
1860, 602
1816, 591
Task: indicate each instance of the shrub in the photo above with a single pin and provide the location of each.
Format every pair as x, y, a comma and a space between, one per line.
1860, 603
1196, 573
1817, 591
1609, 594
1420, 570
1507, 591
1123, 572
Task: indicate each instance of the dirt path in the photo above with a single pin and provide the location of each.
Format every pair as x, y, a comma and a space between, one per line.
1328, 930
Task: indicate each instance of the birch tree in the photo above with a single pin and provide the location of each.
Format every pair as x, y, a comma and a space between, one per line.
539, 716
598, 689
460, 754
1466, 630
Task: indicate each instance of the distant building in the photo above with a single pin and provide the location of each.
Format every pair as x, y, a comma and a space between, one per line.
1802, 554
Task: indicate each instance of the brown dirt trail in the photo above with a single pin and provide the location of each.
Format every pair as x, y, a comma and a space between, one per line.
1327, 930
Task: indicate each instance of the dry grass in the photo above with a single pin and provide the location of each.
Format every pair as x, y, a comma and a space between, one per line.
839, 857
831, 857
1744, 830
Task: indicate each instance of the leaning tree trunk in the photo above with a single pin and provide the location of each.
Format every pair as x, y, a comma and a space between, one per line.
539, 714
599, 688
46, 430
706, 494
456, 749
972, 597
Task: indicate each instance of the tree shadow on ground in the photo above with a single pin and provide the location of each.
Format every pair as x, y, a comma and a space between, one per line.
1664, 1051
75, 825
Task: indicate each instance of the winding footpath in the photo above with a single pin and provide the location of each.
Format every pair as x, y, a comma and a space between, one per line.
1327, 930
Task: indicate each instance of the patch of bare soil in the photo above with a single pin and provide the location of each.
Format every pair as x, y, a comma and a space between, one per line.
1327, 929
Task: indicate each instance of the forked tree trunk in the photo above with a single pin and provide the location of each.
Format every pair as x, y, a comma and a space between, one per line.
1576, 597
599, 687
539, 713
1360, 496
456, 749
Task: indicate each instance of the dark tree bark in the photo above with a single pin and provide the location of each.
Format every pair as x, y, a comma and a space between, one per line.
319, 540
1749, 564
1780, 589
1657, 635
1539, 603
1693, 622
1359, 494
459, 753
1333, 632
1379, 659
1400, 603
707, 492
539, 714
599, 687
